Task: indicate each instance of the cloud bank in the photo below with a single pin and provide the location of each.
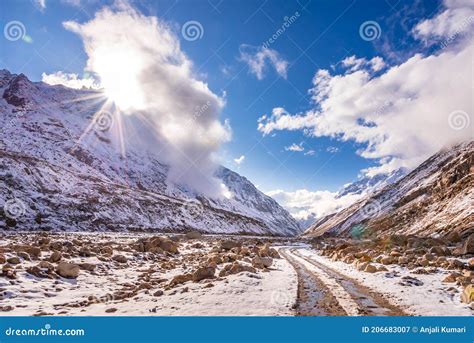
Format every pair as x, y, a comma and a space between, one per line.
399, 116
140, 64
69, 80
259, 58
304, 204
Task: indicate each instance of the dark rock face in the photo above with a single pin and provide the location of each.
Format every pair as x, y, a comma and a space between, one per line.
12, 94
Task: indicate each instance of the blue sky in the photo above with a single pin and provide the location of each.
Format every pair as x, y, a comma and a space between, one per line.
323, 34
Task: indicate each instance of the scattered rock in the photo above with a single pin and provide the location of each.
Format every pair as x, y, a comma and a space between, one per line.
468, 247
14, 260
228, 244
87, 266
68, 270
182, 278
467, 295
204, 273
193, 235
262, 262
410, 281
158, 293
24, 255
120, 259
451, 277
55, 256
370, 268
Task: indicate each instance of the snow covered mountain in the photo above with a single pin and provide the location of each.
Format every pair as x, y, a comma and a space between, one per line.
434, 199
62, 170
367, 184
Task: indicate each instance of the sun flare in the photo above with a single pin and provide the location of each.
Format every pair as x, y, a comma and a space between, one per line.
119, 72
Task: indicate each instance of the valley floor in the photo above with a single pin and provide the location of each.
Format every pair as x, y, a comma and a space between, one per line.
140, 274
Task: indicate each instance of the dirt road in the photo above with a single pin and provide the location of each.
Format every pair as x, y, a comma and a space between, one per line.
323, 291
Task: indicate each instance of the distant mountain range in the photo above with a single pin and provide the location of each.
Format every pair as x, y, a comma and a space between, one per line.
53, 177
435, 199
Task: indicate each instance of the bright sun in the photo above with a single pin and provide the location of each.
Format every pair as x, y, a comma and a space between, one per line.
119, 73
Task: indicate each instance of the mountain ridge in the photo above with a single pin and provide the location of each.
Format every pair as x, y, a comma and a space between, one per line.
431, 200
65, 175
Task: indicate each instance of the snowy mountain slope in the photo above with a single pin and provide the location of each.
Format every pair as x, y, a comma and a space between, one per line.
434, 199
60, 169
354, 191
367, 184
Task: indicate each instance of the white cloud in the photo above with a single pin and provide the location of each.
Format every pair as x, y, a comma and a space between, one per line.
352, 63
258, 58
138, 59
239, 160
295, 147
377, 63
69, 80
303, 204
400, 116
457, 18
332, 149
41, 4
310, 153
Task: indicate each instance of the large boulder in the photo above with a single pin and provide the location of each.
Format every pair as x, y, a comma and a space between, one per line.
68, 270
468, 247
229, 244
156, 244
193, 235
182, 278
467, 296
120, 258
204, 273
262, 262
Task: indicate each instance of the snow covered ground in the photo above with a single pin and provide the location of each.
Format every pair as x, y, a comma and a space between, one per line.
269, 292
433, 298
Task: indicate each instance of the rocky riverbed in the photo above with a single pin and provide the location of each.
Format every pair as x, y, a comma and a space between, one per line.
45, 273
141, 274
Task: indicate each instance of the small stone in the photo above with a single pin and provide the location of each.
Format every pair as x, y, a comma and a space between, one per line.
204, 273
193, 235
467, 295
370, 268
68, 270
158, 293
120, 259
14, 260
55, 256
